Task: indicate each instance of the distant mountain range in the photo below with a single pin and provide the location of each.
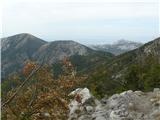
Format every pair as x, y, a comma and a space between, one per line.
138, 69
136, 56
18, 49
119, 47
103, 73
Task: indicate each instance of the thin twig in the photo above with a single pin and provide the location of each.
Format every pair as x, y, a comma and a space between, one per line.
21, 86
33, 97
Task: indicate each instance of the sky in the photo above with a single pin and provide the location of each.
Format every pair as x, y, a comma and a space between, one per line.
85, 21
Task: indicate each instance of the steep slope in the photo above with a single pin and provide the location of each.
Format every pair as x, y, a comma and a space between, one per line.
151, 49
82, 58
84, 64
138, 69
17, 49
57, 50
117, 48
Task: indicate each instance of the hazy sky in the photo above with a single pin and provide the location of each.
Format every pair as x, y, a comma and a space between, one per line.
85, 21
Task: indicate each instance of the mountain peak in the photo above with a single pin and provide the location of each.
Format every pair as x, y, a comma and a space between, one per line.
20, 40
118, 47
64, 41
21, 47
19, 35
24, 34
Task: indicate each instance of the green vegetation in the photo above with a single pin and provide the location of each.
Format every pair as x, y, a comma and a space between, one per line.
100, 83
144, 76
44, 93
141, 76
10, 83
83, 64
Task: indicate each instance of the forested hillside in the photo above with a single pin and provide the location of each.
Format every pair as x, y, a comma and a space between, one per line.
39, 91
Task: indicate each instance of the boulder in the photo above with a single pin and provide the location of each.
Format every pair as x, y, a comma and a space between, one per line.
127, 105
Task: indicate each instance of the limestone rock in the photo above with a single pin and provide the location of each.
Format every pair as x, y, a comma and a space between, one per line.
127, 105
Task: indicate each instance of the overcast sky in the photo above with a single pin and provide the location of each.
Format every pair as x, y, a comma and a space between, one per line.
85, 21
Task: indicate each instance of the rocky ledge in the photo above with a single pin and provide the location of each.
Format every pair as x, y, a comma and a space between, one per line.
128, 105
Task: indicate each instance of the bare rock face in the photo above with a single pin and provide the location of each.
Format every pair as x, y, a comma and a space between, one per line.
82, 103
128, 105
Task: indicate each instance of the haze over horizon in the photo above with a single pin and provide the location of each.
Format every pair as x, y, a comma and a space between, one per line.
85, 21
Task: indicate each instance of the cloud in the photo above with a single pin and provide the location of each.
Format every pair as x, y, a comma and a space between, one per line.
80, 10
78, 1
60, 19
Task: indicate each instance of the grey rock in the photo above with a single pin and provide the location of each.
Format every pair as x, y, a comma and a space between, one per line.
128, 105
156, 90
89, 108
100, 118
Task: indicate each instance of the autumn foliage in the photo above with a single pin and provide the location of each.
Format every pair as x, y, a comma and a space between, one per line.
42, 97
29, 66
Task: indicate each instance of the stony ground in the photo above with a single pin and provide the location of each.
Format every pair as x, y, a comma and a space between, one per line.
128, 105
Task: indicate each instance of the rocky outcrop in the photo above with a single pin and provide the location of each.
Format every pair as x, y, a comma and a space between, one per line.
128, 105
83, 102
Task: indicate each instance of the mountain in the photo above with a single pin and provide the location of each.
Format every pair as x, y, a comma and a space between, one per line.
117, 48
120, 86
137, 56
57, 50
18, 49
138, 69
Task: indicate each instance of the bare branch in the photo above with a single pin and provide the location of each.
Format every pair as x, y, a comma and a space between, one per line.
21, 86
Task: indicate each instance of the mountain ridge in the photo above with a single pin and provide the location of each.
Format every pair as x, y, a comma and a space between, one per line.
22, 47
118, 47
119, 85
137, 70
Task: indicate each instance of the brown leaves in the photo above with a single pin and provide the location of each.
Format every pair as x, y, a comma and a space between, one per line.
68, 67
28, 68
51, 97
66, 84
